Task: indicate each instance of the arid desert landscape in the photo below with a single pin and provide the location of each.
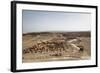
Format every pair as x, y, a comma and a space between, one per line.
55, 46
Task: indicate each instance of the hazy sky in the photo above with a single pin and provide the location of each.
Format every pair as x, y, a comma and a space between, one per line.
39, 21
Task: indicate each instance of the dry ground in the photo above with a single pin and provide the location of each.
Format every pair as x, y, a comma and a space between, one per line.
55, 46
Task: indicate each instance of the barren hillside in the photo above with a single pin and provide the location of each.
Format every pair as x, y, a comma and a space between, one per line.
55, 46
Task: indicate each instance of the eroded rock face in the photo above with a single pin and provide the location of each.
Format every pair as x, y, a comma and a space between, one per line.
43, 47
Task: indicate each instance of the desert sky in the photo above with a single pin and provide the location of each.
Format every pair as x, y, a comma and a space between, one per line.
40, 21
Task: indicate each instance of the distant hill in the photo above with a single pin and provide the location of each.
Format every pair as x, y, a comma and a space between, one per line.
78, 34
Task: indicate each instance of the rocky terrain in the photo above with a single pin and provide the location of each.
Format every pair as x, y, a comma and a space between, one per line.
55, 46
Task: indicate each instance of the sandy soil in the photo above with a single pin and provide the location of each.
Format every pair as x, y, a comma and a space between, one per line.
55, 46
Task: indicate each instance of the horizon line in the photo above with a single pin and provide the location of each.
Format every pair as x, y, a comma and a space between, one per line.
54, 31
